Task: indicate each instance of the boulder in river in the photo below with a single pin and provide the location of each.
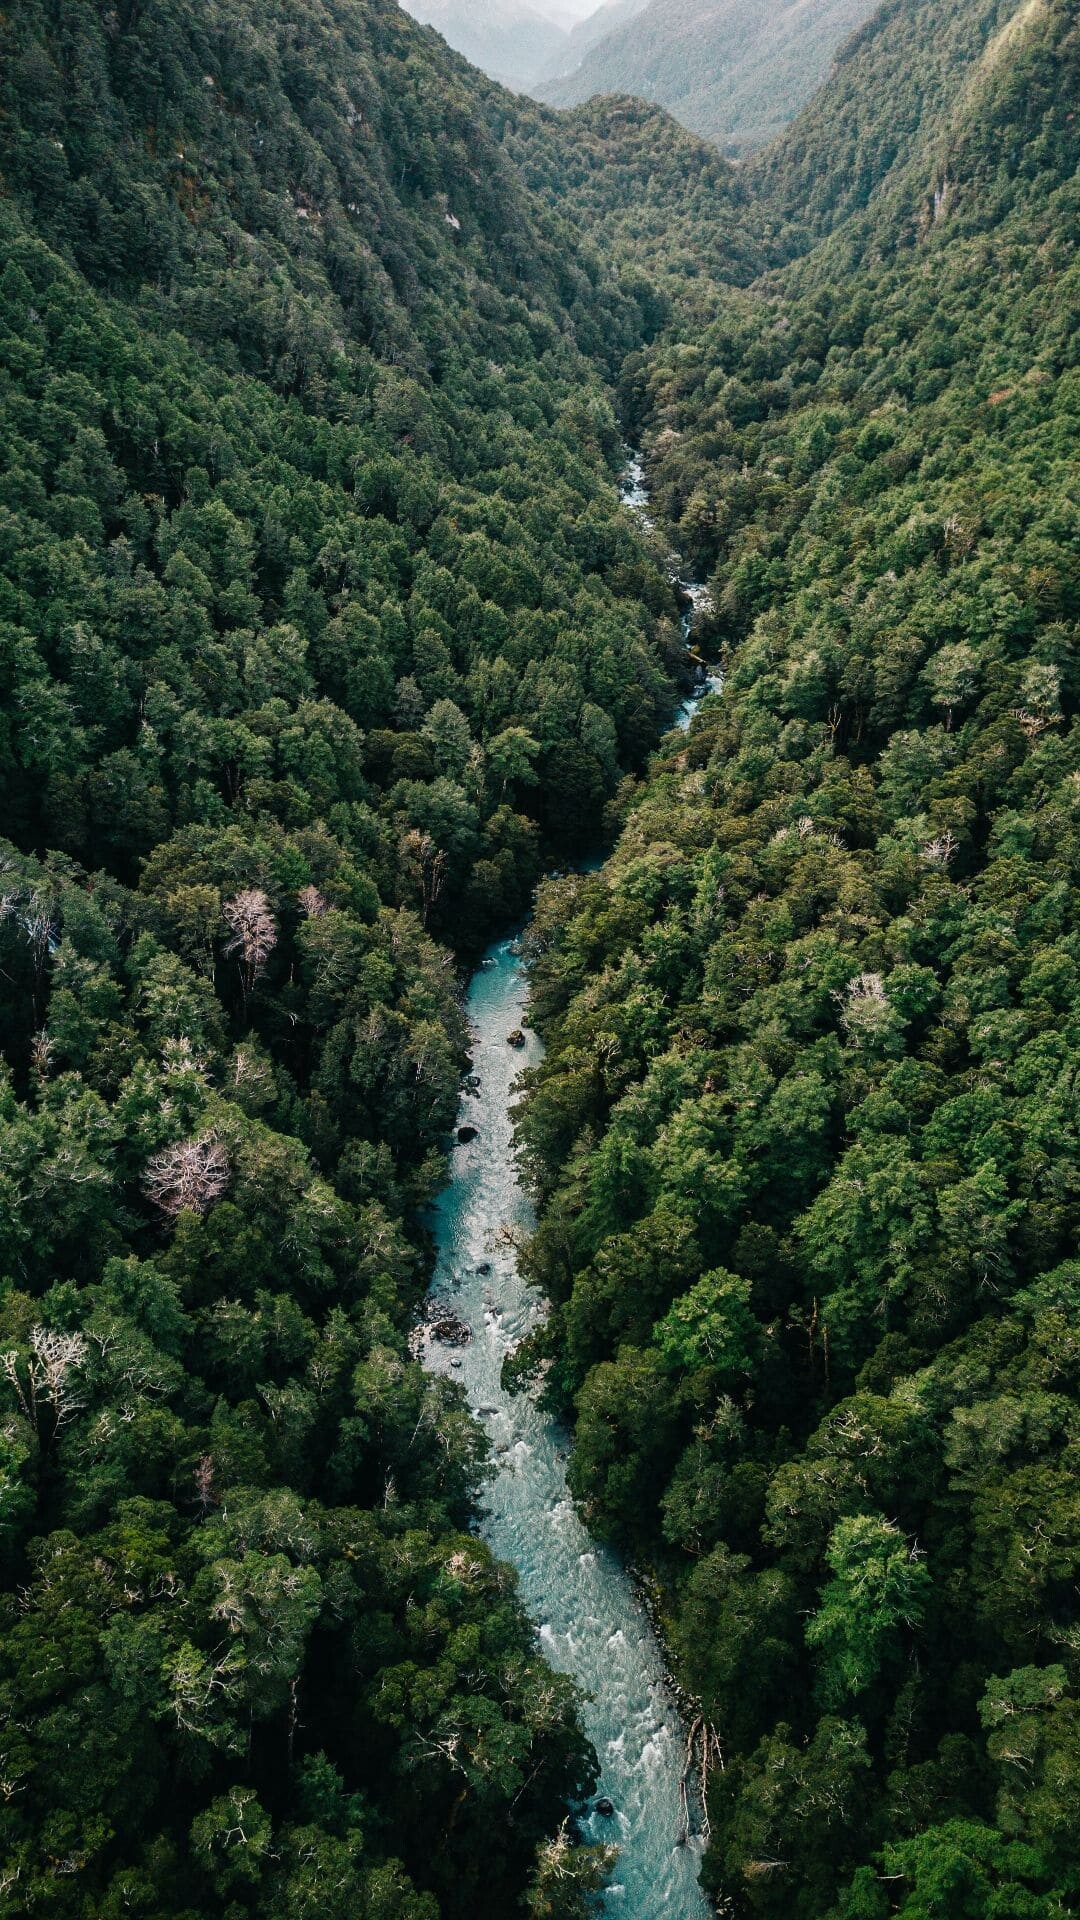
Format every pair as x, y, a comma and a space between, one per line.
451, 1331
465, 1134
515, 1039
605, 1807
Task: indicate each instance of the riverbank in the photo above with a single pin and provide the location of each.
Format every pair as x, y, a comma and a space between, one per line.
591, 1619
694, 594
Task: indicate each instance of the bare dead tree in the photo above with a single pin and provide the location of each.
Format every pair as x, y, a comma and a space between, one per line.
865, 1006
1031, 724
178, 1056
188, 1176
429, 866
204, 1483
46, 1378
312, 903
941, 849
41, 1053
252, 933
959, 537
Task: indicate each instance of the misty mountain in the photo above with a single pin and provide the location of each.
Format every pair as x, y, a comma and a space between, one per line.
735, 71
510, 42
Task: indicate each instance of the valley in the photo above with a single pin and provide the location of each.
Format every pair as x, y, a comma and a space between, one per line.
540, 981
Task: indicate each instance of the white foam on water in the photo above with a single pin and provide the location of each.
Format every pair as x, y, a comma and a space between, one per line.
634, 493
593, 1624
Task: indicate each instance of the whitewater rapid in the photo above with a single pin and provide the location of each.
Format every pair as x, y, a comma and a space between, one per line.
634, 494
589, 1619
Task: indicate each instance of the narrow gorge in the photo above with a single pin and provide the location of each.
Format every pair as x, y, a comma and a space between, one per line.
591, 1622
598, 1436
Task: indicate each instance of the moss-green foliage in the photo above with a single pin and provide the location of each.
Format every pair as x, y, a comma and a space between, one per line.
319, 621
663, 205
806, 1133
900, 84
304, 461
319, 627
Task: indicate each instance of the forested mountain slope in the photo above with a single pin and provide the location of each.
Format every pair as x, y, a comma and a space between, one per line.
321, 632
806, 1131
734, 71
318, 622
910, 79
668, 212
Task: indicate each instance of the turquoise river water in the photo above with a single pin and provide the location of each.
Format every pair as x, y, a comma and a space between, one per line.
589, 1618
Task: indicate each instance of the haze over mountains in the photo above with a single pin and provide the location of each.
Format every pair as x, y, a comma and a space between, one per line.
515, 43
734, 71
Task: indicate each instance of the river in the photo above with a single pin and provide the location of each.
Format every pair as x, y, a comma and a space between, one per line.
695, 594
589, 1618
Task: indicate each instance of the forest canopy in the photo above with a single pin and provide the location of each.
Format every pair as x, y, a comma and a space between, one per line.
805, 1136
320, 629
323, 635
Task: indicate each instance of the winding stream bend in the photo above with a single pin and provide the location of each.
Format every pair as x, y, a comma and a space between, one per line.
591, 1622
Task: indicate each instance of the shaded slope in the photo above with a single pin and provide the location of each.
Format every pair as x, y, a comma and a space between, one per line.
900, 84
318, 620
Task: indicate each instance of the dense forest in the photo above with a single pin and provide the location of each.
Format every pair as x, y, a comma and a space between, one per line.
807, 1130
323, 635
321, 628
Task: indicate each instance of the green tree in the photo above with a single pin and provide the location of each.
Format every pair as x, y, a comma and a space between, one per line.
879, 1592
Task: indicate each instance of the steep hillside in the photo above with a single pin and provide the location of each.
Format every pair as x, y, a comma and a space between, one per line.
322, 635
504, 38
734, 71
669, 214
912, 251
905, 81
318, 622
805, 1132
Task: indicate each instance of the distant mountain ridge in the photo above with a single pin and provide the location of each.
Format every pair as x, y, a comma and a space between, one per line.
734, 71
507, 39
596, 26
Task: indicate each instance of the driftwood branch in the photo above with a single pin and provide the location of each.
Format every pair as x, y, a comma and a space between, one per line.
703, 1752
